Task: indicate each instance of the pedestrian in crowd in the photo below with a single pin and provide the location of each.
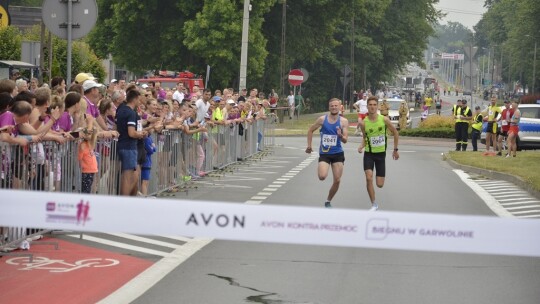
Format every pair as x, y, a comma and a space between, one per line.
273, 100
299, 103
462, 115
383, 108
425, 111
334, 132
403, 114
438, 106
491, 116
374, 128
260, 118
92, 96
361, 108
87, 156
146, 167
476, 127
290, 103
513, 130
130, 130
21, 84
503, 124
203, 104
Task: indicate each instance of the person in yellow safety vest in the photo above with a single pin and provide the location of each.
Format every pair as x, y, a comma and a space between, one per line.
476, 125
462, 115
490, 116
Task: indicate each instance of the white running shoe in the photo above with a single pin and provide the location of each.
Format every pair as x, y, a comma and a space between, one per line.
374, 207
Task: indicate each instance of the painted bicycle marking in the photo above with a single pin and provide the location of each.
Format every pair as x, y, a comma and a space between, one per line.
53, 265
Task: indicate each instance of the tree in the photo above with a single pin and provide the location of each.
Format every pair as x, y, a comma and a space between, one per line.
10, 48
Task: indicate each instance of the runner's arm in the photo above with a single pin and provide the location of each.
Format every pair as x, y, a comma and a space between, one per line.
318, 123
344, 135
389, 125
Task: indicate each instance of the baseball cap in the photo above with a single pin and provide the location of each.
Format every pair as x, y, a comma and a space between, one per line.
82, 77
114, 80
477, 108
144, 86
230, 101
15, 71
89, 84
216, 98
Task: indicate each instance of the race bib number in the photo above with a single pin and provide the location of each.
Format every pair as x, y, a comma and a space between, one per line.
377, 141
504, 123
329, 140
139, 125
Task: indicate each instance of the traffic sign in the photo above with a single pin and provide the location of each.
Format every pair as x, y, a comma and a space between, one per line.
55, 16
296, 77
5, 19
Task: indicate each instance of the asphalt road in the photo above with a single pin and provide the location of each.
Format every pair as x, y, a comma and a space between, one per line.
246, 272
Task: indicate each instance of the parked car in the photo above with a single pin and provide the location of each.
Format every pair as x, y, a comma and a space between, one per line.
529, 127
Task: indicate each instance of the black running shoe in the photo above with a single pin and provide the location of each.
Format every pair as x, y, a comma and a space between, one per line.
327, 205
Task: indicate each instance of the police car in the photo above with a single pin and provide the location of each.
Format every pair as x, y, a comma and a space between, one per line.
529, 127
393, 113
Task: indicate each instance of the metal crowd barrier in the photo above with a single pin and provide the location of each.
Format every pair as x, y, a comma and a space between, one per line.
178, 159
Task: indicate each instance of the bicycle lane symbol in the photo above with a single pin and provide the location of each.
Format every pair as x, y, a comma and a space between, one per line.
55, 265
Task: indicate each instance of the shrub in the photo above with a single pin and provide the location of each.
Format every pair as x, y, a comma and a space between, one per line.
436, 121
441, 132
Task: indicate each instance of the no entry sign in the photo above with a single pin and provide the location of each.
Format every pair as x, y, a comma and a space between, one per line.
296, 77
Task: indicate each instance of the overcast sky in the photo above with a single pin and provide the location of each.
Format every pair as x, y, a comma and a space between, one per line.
466, 12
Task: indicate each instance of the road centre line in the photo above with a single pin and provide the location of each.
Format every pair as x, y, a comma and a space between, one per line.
264, 193
270, 189
252, 202
274, 186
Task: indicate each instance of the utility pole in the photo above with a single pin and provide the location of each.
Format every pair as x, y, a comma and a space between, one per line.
351, 100
244, 50
534, 70
283, 39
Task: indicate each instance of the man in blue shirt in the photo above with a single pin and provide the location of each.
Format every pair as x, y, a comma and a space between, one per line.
334, 131
130, 130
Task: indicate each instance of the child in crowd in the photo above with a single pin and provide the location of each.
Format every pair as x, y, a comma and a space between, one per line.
146, 167
87, 157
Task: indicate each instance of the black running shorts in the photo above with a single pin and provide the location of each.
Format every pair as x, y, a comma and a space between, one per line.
332, 158
375, 161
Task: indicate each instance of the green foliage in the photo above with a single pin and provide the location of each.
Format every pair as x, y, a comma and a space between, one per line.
429, 132
83, 58
10, 48
151, 34
29, 3
511, 27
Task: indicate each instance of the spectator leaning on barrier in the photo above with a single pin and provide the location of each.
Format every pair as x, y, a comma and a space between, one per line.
129, 132
203, 104
92, 96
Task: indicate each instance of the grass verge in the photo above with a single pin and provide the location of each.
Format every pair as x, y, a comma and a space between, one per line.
526, 165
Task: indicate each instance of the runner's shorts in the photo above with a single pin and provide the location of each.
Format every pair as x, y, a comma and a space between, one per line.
332, 158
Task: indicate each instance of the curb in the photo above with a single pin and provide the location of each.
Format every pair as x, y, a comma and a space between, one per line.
496, 175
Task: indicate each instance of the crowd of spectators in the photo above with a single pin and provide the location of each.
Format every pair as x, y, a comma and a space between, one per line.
127, 115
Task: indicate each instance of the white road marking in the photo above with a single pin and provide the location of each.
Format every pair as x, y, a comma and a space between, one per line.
264, 193
258, 197
490, 201
178, 238
121, 245
524, 207
155, 273
145, 240
274, 186
270, 189
253, 202
520, 203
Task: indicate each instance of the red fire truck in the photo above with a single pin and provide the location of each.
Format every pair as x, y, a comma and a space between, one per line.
169, 79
